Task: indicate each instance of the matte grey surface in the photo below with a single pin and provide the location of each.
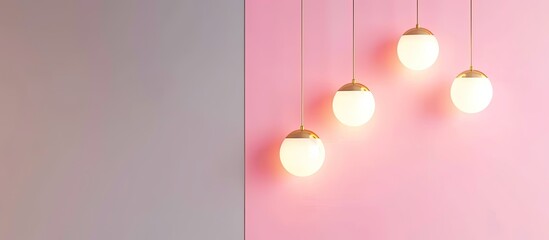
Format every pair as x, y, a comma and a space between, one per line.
121, 119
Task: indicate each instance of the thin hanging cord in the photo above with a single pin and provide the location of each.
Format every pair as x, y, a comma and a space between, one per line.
353, 41
471, 32
301, 127
417, 13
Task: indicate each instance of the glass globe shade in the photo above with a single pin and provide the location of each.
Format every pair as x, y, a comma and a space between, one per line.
353, 104
417, 49
471, 91
302, 153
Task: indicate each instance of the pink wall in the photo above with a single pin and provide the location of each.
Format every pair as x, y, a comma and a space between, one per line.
420, 169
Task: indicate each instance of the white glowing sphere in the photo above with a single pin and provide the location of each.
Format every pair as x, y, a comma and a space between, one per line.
302, 153
354, 107
471, 91
417, 49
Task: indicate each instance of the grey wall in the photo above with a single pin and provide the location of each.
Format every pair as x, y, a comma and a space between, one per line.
121, 119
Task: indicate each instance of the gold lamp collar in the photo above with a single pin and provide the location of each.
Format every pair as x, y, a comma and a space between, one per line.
418, 31
472, 74
302, 133
354, 86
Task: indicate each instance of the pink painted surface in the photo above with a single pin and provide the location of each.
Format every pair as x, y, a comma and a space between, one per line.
420, 169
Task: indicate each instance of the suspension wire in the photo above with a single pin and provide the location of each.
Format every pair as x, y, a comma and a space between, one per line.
301, 126
417, 13
354, 41
471, 32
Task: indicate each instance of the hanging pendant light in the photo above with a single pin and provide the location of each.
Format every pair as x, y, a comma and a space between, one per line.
302, 152
417, 48
354, 103
471, 90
